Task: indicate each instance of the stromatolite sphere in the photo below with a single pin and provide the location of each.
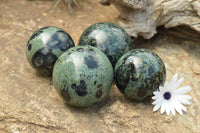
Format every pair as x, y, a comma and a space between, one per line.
83, 76
138, 73
110, 38
45, 46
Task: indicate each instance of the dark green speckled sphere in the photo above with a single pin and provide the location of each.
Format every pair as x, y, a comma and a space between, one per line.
45, 46
138, 73
83, 76
110, 38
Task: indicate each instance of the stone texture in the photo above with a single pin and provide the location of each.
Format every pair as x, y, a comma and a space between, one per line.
29, 102
138, 73
110, 38
142, 17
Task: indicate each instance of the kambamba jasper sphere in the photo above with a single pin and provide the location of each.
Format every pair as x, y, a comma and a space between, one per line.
110, 38
138, 73
83, 76
45, 46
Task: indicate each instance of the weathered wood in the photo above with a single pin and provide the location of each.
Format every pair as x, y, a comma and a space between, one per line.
142, 17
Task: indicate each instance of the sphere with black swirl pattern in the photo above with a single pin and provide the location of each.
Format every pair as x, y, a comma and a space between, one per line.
45, 46
83, 76
138, 73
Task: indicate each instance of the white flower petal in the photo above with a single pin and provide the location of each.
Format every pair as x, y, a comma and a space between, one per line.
173, 82
175, 77
183, 99
162, 89
154, 98
179, 82
172, 110
187, 97
166, 84
179, 107
183, 90
168, 110
169, 106
178, 110
156, 107
158, 101
183, 107
157, 96
156, 92
163, 106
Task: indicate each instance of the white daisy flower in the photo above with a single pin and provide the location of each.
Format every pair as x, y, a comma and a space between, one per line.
169, 98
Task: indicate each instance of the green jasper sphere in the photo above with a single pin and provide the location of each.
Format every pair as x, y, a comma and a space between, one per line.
83, 76
110, 38
45, 46
138, 73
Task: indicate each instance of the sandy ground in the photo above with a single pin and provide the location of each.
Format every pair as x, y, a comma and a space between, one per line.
29, 103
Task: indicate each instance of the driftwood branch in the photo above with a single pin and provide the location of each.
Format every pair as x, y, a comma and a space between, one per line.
142, 17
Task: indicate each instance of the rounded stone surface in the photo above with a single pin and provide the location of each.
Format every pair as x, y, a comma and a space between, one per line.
110, 38
138, 73
83, 76
45, 46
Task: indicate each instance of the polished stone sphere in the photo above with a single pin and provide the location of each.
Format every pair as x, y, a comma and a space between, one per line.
138, 73
45, 46
110, 38
83, 76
